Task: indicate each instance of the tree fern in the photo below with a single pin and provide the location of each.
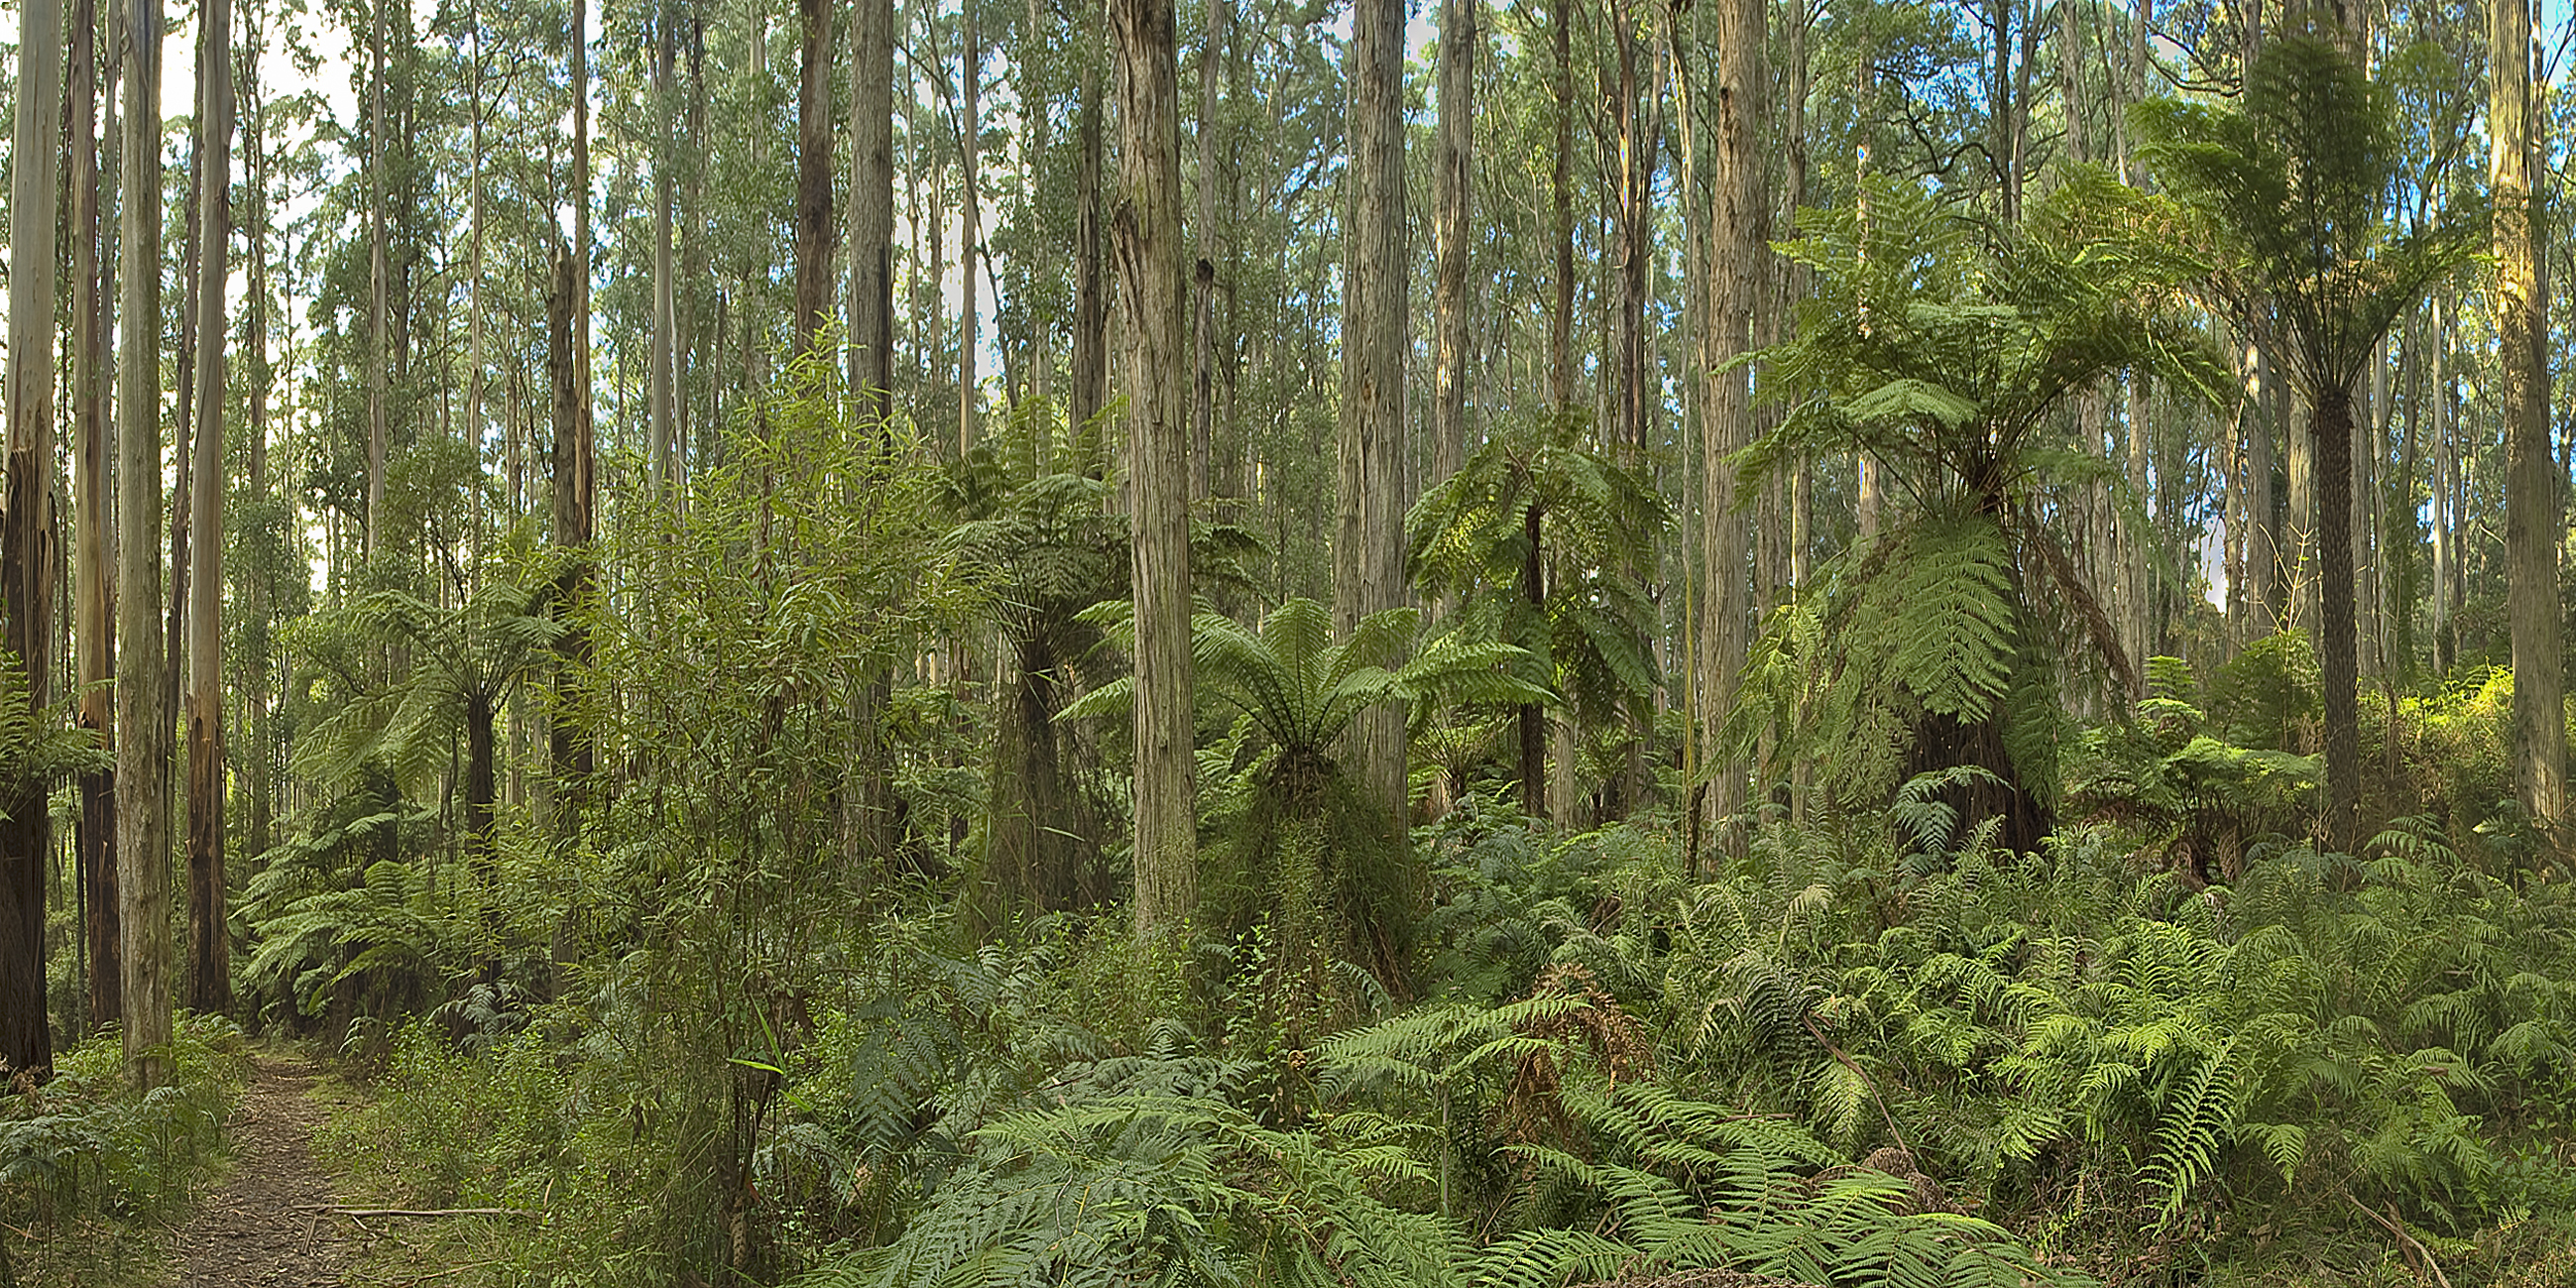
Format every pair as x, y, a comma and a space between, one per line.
1943, 352
1587, 626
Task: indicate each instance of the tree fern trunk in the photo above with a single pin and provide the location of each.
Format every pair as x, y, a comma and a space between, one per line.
1943, 741
1533, 717
2337, 657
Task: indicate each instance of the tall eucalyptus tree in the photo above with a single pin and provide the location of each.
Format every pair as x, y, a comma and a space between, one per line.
210, 938
142, 705
94, 648
27, 531
2533, 529
1148, 224
1739, 221
1369, 497
2293, 181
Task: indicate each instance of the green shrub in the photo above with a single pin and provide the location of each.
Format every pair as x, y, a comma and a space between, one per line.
85, 1156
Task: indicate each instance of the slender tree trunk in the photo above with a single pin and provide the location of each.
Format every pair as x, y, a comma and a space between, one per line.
257, 590
970, 235
2532, 527
2445, 565
379, 287
174, 642
2139, 552
1203, 273
210, 987
2003, 142
2406, 553
572, 460
870, 825
662, 390
27, 531
2070, 80
480, 846
1452, 193
1869, 489
1561, 186
1148, 223
2337, 656
571, 469
1233, 485
1641, 129
695, 288
143, 753
813, 174
474, 364
1795, 281
872, 208
1090, 359
94, 838
1533, 716
2370, 448
579, 74
1368, 546
2252, 436
1739, 230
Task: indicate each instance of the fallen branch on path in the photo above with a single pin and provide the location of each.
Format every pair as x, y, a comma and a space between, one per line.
2395, 1227
338, 1210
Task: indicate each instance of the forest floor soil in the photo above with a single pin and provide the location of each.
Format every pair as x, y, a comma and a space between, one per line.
271, 1225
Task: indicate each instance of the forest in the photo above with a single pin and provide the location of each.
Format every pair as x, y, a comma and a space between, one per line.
1516, 643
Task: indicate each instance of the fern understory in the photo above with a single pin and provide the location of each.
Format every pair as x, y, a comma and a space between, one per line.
92, 1173
1868, 1052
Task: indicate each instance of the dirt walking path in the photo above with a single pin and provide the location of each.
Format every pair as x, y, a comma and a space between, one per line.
266, 1227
